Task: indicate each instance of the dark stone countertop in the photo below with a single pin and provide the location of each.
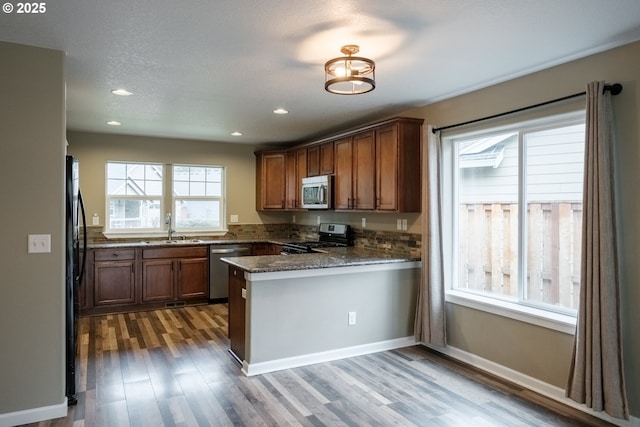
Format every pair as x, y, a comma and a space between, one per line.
329, 258
186, 242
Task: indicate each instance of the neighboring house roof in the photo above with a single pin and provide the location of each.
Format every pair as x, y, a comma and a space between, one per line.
483, 152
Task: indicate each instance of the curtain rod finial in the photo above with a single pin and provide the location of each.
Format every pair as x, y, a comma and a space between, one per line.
615, 88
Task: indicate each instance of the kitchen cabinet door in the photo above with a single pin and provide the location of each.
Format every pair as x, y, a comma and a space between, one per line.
157, 280
343, 179
114, 282
326, 158
296, 164
237, 312
193, 278
387, 168
364, 171
398, 167
271, 180
320, 159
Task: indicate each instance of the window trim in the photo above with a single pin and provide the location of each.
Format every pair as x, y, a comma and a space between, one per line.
222, 199
141, 231
166, 199
560, 320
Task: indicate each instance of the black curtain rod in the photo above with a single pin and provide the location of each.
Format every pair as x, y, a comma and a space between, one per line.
615, 89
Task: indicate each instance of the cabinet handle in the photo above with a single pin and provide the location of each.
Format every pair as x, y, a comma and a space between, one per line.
115, 254
349, 203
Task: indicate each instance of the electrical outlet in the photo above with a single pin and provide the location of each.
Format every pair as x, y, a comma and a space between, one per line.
352, 318
399, 224
364, 222
404, 224
318, 220
233, 218
293, 219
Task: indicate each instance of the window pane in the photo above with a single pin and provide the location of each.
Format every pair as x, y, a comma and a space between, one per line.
153, 173
214, 174
554, 175
487, 175
117, 170
196, 189
116, 187
135, 171
197, 213
181, 188
197, 174
132, 213
153, 188
214, 189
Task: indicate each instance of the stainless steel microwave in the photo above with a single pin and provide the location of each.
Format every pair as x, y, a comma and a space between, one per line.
316, 192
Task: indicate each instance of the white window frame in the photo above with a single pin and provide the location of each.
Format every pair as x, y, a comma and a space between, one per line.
221, 199
109, 197
518, 310
166, 200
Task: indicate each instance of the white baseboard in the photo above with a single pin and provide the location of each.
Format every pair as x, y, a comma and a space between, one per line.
325, 356
34, 415
533, 384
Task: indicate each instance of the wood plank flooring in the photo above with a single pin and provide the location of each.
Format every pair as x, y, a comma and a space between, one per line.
171, 368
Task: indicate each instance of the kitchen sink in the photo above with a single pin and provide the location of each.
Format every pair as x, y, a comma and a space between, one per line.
172, 242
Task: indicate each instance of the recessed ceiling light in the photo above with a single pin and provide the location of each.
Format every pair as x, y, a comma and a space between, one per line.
236, 133
121, 92
113, 123
280, 111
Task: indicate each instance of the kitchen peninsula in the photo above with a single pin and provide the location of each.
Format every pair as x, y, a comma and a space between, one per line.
287, 311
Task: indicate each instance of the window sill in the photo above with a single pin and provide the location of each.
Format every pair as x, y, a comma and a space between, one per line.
555, 321
155, 234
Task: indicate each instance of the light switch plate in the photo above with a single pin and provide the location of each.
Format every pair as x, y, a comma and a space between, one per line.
233, 218
39, 243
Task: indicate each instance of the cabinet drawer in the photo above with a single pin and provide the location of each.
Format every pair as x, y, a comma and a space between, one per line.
114, 254
181, 252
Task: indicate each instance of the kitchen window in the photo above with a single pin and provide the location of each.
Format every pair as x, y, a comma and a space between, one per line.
140, 195
197, 197
134, 196
516, 224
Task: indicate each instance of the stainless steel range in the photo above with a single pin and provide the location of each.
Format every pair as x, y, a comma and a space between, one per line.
329, 235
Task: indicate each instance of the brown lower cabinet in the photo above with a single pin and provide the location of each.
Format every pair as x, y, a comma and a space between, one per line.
120, 280
237, 312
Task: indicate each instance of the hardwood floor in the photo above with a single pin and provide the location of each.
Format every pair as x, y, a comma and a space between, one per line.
171, 368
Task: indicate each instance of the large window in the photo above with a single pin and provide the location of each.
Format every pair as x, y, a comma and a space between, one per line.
140, 195
134, 196
517, 203
197, 197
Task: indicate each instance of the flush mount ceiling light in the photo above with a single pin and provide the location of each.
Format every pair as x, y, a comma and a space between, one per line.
121, 92
113, 123
280, 111
349, 75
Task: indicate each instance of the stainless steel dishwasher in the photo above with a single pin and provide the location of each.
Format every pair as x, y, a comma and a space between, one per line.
218, 270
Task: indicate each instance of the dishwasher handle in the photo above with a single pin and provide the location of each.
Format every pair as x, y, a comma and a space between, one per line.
229, 251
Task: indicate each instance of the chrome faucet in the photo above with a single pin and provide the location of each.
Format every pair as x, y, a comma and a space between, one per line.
169, 229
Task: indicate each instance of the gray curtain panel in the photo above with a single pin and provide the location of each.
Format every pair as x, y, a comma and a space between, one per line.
596, 378
430, 308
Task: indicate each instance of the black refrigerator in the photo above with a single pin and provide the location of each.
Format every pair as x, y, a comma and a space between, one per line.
75, 255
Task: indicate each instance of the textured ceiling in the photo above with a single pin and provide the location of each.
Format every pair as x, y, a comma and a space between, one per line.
202, 69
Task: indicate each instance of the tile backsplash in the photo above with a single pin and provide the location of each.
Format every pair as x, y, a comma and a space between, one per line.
396, 242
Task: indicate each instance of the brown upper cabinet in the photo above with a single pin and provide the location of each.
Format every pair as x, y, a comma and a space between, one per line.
376, 168
355, 172
271, 180
296, 170
398, 167
320, 159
